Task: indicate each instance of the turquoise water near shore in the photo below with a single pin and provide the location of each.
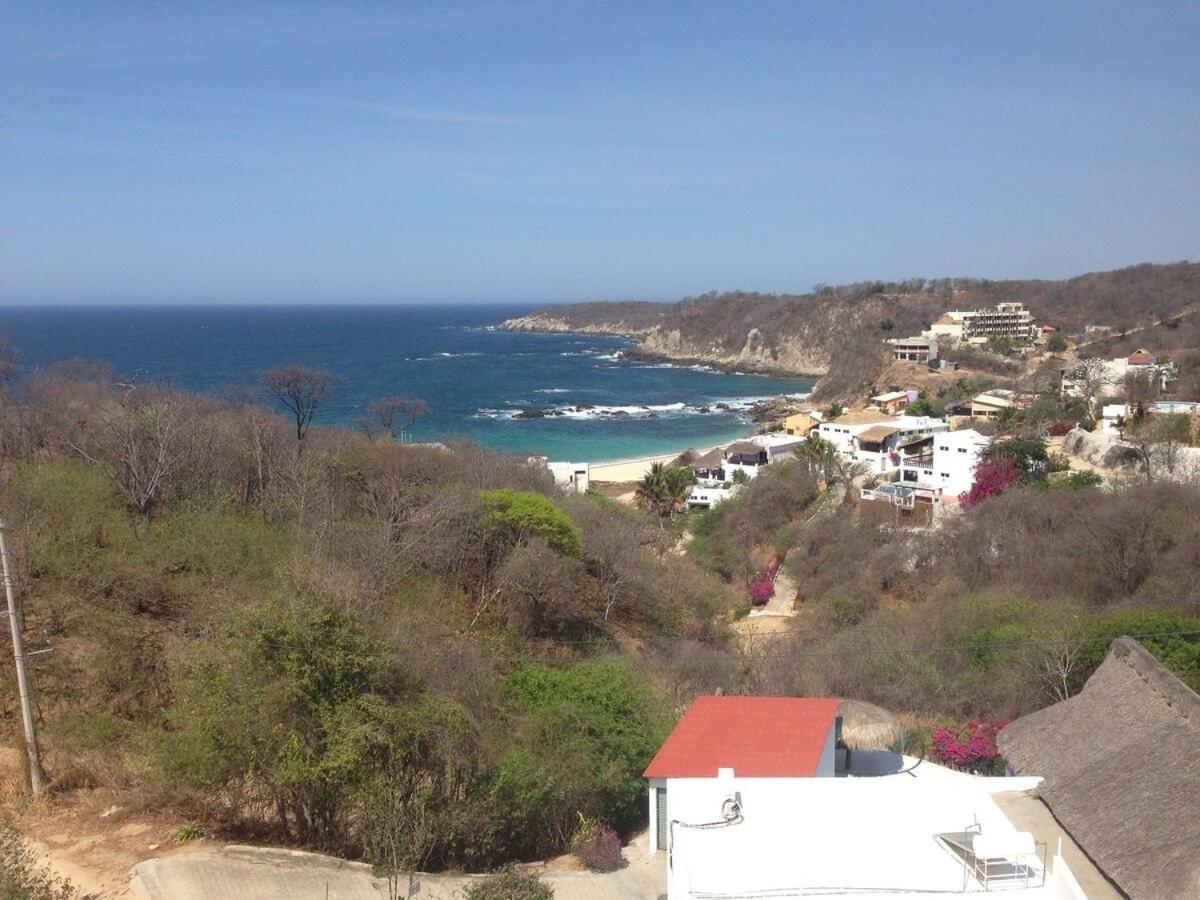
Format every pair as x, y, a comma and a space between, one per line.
479, 381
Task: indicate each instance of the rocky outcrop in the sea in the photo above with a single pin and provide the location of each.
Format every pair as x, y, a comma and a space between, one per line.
547, 323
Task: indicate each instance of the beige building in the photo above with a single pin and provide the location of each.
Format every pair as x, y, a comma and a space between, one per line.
800, 424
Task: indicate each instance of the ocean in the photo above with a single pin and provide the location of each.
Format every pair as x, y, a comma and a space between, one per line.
475, 378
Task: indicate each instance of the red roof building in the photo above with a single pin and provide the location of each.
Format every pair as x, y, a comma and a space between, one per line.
757, 737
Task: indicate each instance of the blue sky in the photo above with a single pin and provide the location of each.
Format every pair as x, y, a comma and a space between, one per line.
275, 152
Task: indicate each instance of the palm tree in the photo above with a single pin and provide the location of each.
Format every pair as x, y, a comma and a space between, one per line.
665, 490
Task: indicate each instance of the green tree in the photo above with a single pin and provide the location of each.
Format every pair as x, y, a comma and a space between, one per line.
1174, 640
1029, 454
299, 709
1056, 343
585, 734
514, 515
665, 490
923, 406
510, 885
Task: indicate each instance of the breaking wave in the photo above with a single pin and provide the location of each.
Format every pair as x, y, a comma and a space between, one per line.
738, 406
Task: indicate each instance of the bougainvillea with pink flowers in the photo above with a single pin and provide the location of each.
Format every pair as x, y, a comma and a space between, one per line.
970, 748
762, 586
992, 477
762, 589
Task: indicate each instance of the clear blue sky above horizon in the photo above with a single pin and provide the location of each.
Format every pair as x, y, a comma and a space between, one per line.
275, 152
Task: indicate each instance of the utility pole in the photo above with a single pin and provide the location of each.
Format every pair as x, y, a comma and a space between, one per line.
14, 621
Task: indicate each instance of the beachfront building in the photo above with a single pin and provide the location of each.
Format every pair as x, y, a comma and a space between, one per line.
914, 349
747, 799
716, 470
946, 469
799, 424
572, 477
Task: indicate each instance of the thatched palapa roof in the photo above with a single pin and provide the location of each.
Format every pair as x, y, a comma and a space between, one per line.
1121, 762
710, 460
747, 448
866, 726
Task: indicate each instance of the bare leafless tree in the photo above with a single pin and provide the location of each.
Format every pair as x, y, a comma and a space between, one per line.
1092, 377
302, 390
1057, 663
141, 442
392, 416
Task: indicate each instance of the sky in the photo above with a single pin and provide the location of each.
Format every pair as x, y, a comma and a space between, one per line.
270, 152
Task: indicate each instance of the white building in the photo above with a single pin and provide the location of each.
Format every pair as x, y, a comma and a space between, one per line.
842, 431
1115, 372
948, 470
744, 802
977, 326
715, 470
571, 477
707, 494
876, 440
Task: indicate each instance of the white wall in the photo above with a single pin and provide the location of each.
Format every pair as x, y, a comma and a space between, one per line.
692, 792
571, 476
858, 834
707, 497
955, 456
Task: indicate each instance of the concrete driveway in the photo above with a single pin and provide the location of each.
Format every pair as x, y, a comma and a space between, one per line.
254, 873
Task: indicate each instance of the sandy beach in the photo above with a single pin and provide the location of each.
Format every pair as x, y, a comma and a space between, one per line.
628, 470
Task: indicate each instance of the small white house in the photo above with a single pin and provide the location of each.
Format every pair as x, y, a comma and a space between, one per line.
571, 477
746, 801
757, 737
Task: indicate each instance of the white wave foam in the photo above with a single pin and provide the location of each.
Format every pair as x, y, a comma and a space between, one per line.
551, 390
737, 406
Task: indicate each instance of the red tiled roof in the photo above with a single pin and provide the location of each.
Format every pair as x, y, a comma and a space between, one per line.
757, 737
1141, 359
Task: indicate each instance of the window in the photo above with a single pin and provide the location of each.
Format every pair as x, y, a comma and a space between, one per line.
660, 809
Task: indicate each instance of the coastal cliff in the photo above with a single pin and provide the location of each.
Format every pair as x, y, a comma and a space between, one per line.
839, 333
786, 335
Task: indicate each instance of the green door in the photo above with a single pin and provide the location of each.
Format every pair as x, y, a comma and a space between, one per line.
660, 815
